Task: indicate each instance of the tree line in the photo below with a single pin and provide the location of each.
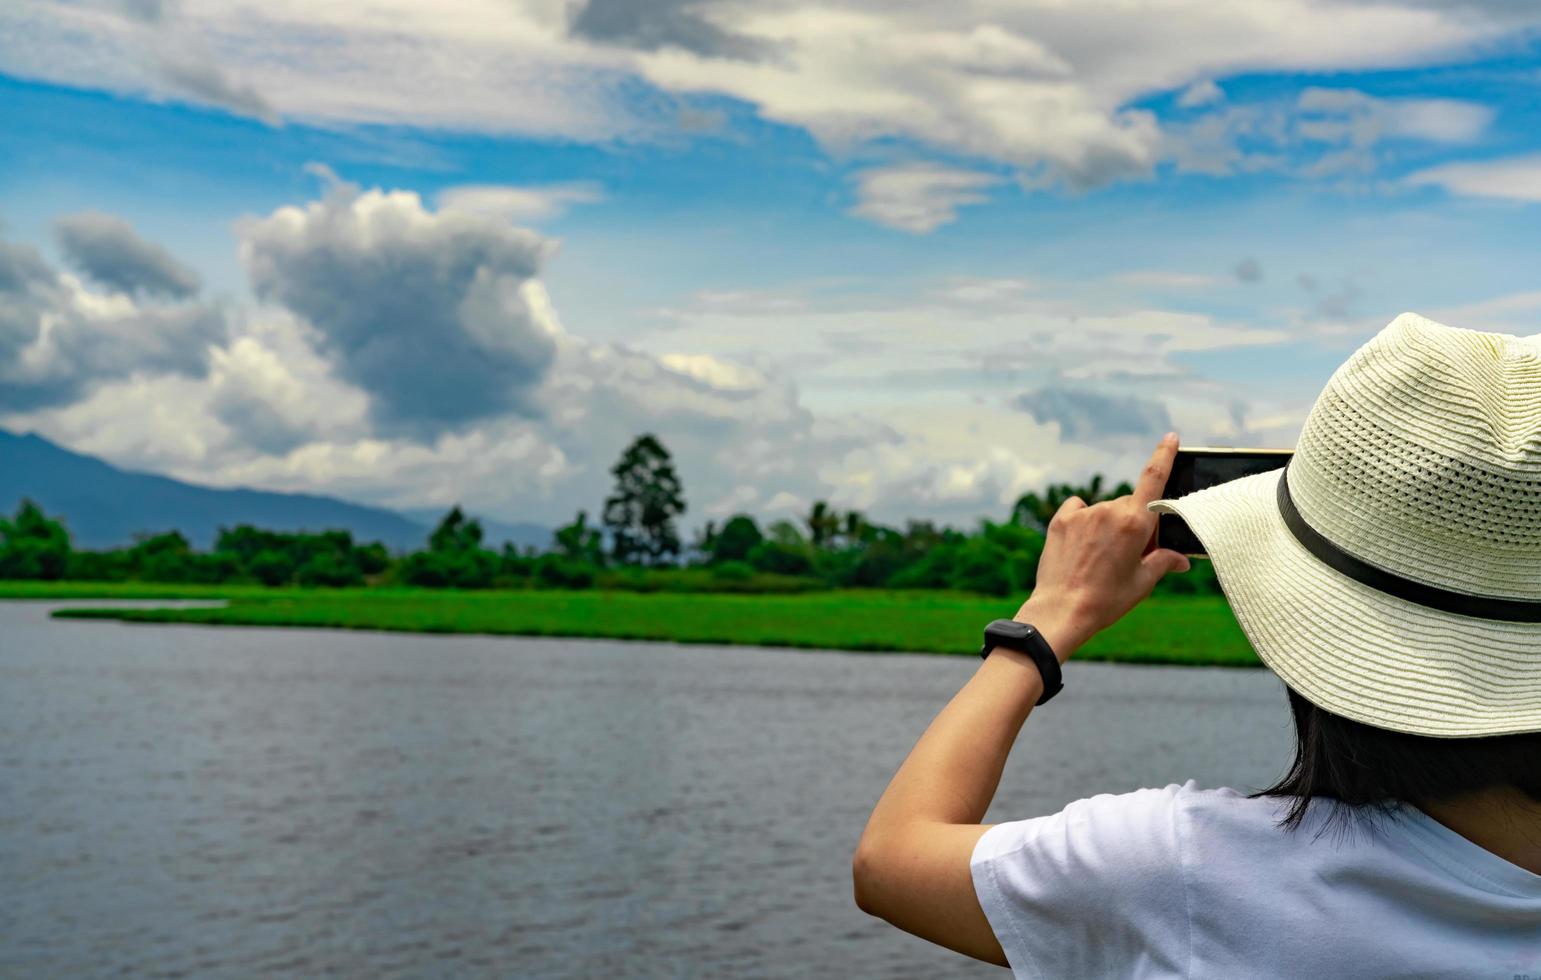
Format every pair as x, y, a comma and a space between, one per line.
634, 545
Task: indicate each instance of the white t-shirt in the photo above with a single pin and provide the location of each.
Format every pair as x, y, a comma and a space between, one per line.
1189, 882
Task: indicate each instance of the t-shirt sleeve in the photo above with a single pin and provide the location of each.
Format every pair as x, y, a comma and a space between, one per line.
1095, 890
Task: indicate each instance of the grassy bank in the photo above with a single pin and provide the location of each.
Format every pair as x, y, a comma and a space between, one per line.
128, 590
1164, 629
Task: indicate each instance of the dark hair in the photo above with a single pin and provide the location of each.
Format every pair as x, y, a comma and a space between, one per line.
1368, 770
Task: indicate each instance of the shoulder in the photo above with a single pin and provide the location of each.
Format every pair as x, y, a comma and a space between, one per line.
1149, 806
1132, 838
1152, 827
1092, 887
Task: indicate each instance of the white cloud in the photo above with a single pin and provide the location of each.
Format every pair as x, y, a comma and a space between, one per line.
1510, 178
1045, 87
1041, 86
888, 413
1085, 414
1165, 279
514, 203
1320, 133
1200, 93
1349, 116
857, 350
1438, 120
919, 197
720, 374
484, 65
273, 392
1514, 313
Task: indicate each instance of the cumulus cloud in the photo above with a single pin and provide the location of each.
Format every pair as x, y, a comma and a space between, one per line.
919, 197
108, 250
1086, 414
268, 404
1508, 178
439, 317
59, 341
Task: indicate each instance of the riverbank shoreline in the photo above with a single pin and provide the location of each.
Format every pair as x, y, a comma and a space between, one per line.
1177, 630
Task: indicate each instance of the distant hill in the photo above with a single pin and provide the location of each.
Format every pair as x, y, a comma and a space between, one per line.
105, 506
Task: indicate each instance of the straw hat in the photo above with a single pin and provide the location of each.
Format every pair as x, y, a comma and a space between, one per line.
1391, 572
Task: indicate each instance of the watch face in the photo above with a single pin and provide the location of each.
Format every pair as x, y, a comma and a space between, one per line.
1009, 629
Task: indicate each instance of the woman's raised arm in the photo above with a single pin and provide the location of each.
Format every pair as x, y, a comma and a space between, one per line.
911, 866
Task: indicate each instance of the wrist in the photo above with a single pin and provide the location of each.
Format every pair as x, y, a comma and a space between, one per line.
1015, 671
1062, 625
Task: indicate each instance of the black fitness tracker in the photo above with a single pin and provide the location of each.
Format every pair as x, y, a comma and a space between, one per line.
1020, 636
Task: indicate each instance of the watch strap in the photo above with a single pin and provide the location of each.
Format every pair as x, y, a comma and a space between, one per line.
1035, 646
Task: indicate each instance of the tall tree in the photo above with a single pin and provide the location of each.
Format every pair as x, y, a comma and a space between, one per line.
823, 523
456, 532
648, 497
854, 528
33, 545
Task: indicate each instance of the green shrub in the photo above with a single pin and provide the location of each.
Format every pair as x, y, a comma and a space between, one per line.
736, 540
271, 567
472, 568
733, 571
982, 567
329, 569
97, 566
556, 572
781, 558
934, 569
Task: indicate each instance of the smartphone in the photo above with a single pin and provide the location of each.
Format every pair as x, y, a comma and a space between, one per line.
1200, 467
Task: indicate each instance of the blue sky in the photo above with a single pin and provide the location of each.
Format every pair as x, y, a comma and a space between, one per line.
913, 261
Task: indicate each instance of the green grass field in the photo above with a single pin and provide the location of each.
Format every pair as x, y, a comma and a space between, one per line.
1163, 629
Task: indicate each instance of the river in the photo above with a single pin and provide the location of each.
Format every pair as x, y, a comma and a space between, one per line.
188, 801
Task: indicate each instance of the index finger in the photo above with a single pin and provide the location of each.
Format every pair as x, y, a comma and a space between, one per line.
1154, 476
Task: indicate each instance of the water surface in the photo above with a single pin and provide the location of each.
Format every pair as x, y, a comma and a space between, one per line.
189, 801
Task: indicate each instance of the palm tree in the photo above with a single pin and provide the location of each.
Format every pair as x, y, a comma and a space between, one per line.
823, 524
855, 527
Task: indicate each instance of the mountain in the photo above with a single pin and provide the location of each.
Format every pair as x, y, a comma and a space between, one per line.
104, 506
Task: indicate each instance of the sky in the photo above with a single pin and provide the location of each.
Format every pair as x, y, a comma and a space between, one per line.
914, 259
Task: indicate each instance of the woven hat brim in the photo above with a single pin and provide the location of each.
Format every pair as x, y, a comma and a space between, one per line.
1352, 649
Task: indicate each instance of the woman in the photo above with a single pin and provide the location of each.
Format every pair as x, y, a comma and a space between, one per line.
1390, 575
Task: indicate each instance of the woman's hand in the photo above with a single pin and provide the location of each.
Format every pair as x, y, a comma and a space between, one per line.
1100, 561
